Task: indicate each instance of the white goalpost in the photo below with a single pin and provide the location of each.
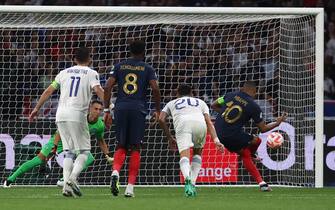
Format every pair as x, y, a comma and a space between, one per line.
214, 49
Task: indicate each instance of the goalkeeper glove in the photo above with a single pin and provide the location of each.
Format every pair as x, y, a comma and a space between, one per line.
109, 159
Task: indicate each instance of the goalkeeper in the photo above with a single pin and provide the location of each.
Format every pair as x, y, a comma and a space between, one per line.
54, 145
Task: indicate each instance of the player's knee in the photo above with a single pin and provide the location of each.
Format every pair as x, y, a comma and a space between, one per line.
69, 154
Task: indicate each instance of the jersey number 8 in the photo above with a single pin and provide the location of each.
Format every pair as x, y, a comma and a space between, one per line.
131, 80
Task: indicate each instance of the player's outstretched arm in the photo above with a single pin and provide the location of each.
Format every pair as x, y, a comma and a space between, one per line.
44, 97
213, 133
157, 98
267, 127
163, 125
107, 97
216, 105
104, 148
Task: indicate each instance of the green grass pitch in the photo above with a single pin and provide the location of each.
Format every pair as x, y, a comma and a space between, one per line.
226, 198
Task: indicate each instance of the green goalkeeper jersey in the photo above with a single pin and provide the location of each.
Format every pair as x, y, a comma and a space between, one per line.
97, 130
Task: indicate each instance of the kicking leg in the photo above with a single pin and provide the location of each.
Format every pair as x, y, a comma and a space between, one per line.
248, 163
254, 144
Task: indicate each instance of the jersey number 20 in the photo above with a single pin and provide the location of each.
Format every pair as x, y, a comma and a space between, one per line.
182, 103
75, 81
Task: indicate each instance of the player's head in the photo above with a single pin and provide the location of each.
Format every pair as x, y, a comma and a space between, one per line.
82, 56
137, 48
184, 90
250, 88
96, 108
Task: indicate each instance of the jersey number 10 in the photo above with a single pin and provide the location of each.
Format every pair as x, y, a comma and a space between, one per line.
75, 81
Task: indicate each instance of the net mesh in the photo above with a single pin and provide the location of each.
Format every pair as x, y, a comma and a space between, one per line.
215, 53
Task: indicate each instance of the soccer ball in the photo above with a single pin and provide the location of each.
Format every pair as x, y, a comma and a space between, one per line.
274, 140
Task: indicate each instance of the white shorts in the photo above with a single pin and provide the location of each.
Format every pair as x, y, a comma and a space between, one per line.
191, 134
75, 135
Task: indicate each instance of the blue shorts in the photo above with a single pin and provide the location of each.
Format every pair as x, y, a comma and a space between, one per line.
237, 141
130, 127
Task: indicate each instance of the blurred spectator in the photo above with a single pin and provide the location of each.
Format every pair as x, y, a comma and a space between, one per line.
330, 47
329, 88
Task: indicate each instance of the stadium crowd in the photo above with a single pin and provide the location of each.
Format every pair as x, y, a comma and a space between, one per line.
215, 58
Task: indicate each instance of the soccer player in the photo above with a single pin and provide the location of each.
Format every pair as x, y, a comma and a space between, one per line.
54, 145
191, 121
76, 84
132, 76
235, 110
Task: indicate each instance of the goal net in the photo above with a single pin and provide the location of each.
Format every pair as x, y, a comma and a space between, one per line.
215, 53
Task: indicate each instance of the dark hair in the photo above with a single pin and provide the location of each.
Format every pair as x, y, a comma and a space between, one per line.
82, 54
249, 84
96, 102
184, 90
137, 47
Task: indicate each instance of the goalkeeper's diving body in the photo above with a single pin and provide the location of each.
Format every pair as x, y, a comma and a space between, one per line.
54, 146
235, 110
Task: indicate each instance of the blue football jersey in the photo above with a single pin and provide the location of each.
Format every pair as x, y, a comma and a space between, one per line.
132, 77
237, 110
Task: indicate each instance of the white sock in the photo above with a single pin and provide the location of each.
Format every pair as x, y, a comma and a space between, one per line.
195, 168
185, 167
115, 173
67, 168
130, 189
78, 166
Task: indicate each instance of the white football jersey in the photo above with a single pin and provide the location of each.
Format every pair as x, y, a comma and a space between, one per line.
186, 109
76, 84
